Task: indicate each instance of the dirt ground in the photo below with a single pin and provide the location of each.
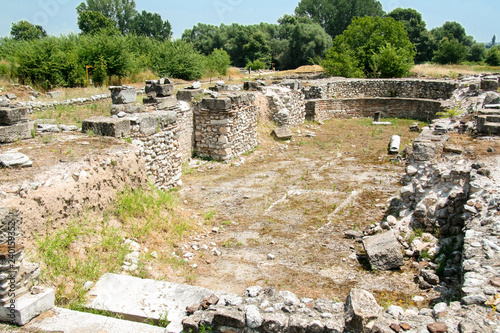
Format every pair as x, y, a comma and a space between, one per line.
293, 202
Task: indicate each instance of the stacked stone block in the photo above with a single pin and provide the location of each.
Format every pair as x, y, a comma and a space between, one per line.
16, 275
160, 93
14, 124
225, 127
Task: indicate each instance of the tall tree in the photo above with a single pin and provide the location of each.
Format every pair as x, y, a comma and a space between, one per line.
452, 30
336, 15
417, 32
23, 30
120, 11
493, 40
377, 46
91, 22
151, 25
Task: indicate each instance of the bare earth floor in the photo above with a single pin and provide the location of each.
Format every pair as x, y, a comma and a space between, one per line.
293, 202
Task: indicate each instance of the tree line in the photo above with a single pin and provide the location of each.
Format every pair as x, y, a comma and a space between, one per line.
353, 38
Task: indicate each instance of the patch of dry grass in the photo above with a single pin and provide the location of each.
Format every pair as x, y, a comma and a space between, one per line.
452, 71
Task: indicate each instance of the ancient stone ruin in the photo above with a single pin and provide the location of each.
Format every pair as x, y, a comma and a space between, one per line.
441, 194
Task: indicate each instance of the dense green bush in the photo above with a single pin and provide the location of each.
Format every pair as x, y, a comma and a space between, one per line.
493, 56
256, 65
177, 59
450, 51
363, 47
218, 62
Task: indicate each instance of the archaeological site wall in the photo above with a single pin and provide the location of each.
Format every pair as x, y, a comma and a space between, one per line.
420, 109
225, 127
403, 88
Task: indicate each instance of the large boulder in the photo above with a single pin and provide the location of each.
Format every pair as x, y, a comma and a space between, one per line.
384, 251
361, 308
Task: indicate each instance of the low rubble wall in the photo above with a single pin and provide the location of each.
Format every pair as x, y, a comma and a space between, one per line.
403, 88
420, 109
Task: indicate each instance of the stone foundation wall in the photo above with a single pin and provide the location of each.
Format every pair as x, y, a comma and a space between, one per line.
158, 136
186, 123
323, 109
225, 127
287, 106
404, 88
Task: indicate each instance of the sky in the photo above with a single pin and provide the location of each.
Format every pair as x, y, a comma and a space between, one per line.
478, 17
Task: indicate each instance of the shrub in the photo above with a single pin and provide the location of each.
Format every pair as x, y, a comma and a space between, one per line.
391, 62
256, 65
493, 56
177, 59
218, 62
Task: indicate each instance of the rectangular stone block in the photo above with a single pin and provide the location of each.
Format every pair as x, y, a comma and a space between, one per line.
19, 131
221, 104
118, 128
28, 307
148, 125
10, 116
384, 251
161, 102
188, 94
166, 102
164, 90
123, 94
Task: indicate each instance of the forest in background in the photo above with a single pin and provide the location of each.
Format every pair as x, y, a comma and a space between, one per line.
348, 38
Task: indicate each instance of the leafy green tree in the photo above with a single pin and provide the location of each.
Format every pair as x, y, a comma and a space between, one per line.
120, 11
452, 30
307, 41
204, 37
336, 15
493, 56
151, 25
417, 32
177, 59
364, 40
391, 62
340, 60
23, 30
113, 49
257, 48
91, 22
493, 40
100, 71
218, 62
450, 51
477, 52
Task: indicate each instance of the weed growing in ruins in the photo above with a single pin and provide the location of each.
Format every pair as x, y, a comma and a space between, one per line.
90, 133
70, 272
148, 212
209, 215
47, 139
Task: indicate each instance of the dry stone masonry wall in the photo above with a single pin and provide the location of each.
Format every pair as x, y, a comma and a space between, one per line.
403, 88
225, 127
287, 105
420, 109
